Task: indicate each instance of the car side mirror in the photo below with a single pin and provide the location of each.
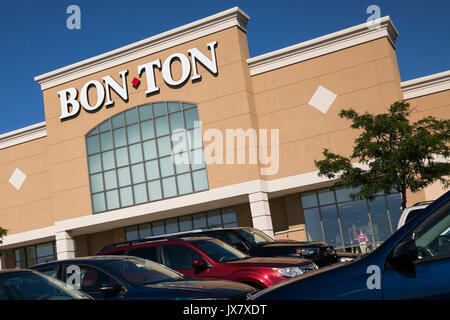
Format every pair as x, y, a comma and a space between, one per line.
404, 254
110, 288
199, 264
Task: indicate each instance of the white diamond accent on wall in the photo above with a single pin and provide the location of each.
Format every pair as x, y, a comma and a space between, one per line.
322, 99
17, 178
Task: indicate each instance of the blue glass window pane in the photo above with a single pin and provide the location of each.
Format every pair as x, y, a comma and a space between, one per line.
131, 116
354, 219
96, 183
133, 134
106, 141
159, 109
184, 183
93, 132
229, 215
98, 202
166, 166
140, 193
110, 179
173, 106
122, 157
154, 190
94, 163
197, 159
195, 138
190, 116
131, 233
147, 130
169, 187
312, 223
185, 223
182, 163
344, 194
108, 160
158, 228
136, 153
117, 121
380, 220
145, 112
171, 225
394, 204
309, 199
213, 218
145, 230
137, 173
326, 197
162, 126
149, 150
164, 147
331, 226
188, 105
112, 199
152, 169
92, 145
176, 121
199, 220
105, 126
119, 137
126, 196
200, 180
123, 175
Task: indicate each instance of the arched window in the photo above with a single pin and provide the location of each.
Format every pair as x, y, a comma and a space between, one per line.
144, 154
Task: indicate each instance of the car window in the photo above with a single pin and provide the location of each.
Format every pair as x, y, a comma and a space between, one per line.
219, 251
255, 236
179, 257
227, 237
433, 239
49, 271
86, 278
412, 214
149, 253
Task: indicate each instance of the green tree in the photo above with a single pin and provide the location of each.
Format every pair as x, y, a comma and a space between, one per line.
3, 233
394, 153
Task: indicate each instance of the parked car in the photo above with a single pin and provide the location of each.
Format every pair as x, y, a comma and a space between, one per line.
411, 211
132, 278
22, 284
412, 264
205, 257
256, 243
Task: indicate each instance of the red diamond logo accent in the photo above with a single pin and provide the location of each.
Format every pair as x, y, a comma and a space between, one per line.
135, 82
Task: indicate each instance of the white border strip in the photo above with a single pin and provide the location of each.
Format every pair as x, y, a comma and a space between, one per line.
22, 135
323, 45
212, 24
426, 85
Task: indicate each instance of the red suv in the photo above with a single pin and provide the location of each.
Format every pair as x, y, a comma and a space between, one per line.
212, 258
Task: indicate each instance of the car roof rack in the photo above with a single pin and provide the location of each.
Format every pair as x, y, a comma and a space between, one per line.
421, 203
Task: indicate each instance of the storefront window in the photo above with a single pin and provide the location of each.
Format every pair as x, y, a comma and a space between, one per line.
334, 217
29, 256
219, 218
130, 156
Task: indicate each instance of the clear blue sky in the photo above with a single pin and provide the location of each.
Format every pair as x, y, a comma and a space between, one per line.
35, 40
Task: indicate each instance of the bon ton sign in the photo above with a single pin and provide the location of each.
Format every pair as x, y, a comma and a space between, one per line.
72, 100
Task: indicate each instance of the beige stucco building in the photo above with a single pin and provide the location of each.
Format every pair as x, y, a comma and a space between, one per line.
101, 174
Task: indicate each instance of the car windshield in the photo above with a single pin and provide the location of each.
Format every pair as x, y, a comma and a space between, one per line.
27, 285
141, 272
219, 251
255, 237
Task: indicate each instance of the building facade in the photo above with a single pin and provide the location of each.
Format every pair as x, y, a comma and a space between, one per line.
184, 130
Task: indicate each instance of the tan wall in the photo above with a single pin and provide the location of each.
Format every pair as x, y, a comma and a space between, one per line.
243, 215
30, 207
365, 77
287, 217
90, 244
223, 102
